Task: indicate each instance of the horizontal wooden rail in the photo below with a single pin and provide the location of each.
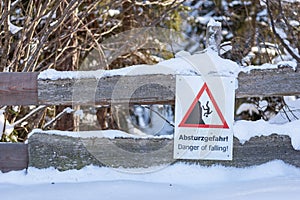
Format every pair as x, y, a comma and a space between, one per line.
64, 153
18, 89
26, 89
13, 156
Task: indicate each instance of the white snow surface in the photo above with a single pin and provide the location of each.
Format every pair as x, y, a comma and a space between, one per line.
247, 107
245, 130
291, 64
183, 64
5, 127
13, 28
212, 22
111, 134
290, 112
202, 63
113, 12
274, 180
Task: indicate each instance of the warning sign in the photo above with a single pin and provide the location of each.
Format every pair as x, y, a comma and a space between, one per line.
204, 112
201, 111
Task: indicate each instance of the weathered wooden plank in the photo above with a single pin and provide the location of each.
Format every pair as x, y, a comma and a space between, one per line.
143, 89
270, 82
23, 89
18, 88
65, 153
154, 89
13, 156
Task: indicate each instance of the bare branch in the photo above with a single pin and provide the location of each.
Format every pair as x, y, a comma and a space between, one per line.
28, 115
7, 38
286, 46
158, 114
60, 115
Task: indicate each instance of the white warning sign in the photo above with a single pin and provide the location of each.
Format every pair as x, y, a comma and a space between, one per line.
204, 112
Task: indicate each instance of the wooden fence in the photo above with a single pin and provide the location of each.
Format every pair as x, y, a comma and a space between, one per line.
27, 89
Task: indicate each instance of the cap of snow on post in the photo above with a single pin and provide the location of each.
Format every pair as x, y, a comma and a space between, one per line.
213, 35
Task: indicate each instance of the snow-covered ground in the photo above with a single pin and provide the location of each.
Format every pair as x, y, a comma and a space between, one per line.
273, 180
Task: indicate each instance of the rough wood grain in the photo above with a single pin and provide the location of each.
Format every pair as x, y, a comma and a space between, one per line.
23, 89
64, 152
154, 89
271, 82
18, 88
13, 156
142, 89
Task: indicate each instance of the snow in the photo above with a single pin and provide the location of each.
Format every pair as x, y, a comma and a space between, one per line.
5, 127
183, 64
205, 19
237, 3
52, 74
288, 63
245, 130
68, 110
247, 107
13, 28
225, 47
294, 23
291, 1
212, 22
225, 66
113, 12
290, 112
14, 3
270, 51
281, 33
79, 113
273, 180
111, 134
263, 13
265, 66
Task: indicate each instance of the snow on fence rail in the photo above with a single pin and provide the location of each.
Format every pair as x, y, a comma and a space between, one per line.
27, 89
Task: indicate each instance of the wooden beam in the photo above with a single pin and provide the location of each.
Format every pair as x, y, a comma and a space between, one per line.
270, 82
143, 89
18, 88
64, 153
25, 89
155, 89
13, 156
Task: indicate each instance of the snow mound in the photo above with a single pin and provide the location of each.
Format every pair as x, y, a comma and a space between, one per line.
178, 173
204, 63
111, 134
245, 130
274, 180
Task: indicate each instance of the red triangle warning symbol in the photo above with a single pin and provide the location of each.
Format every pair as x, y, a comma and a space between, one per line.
194, 116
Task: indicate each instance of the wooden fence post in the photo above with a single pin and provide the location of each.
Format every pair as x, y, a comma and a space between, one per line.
213, 35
